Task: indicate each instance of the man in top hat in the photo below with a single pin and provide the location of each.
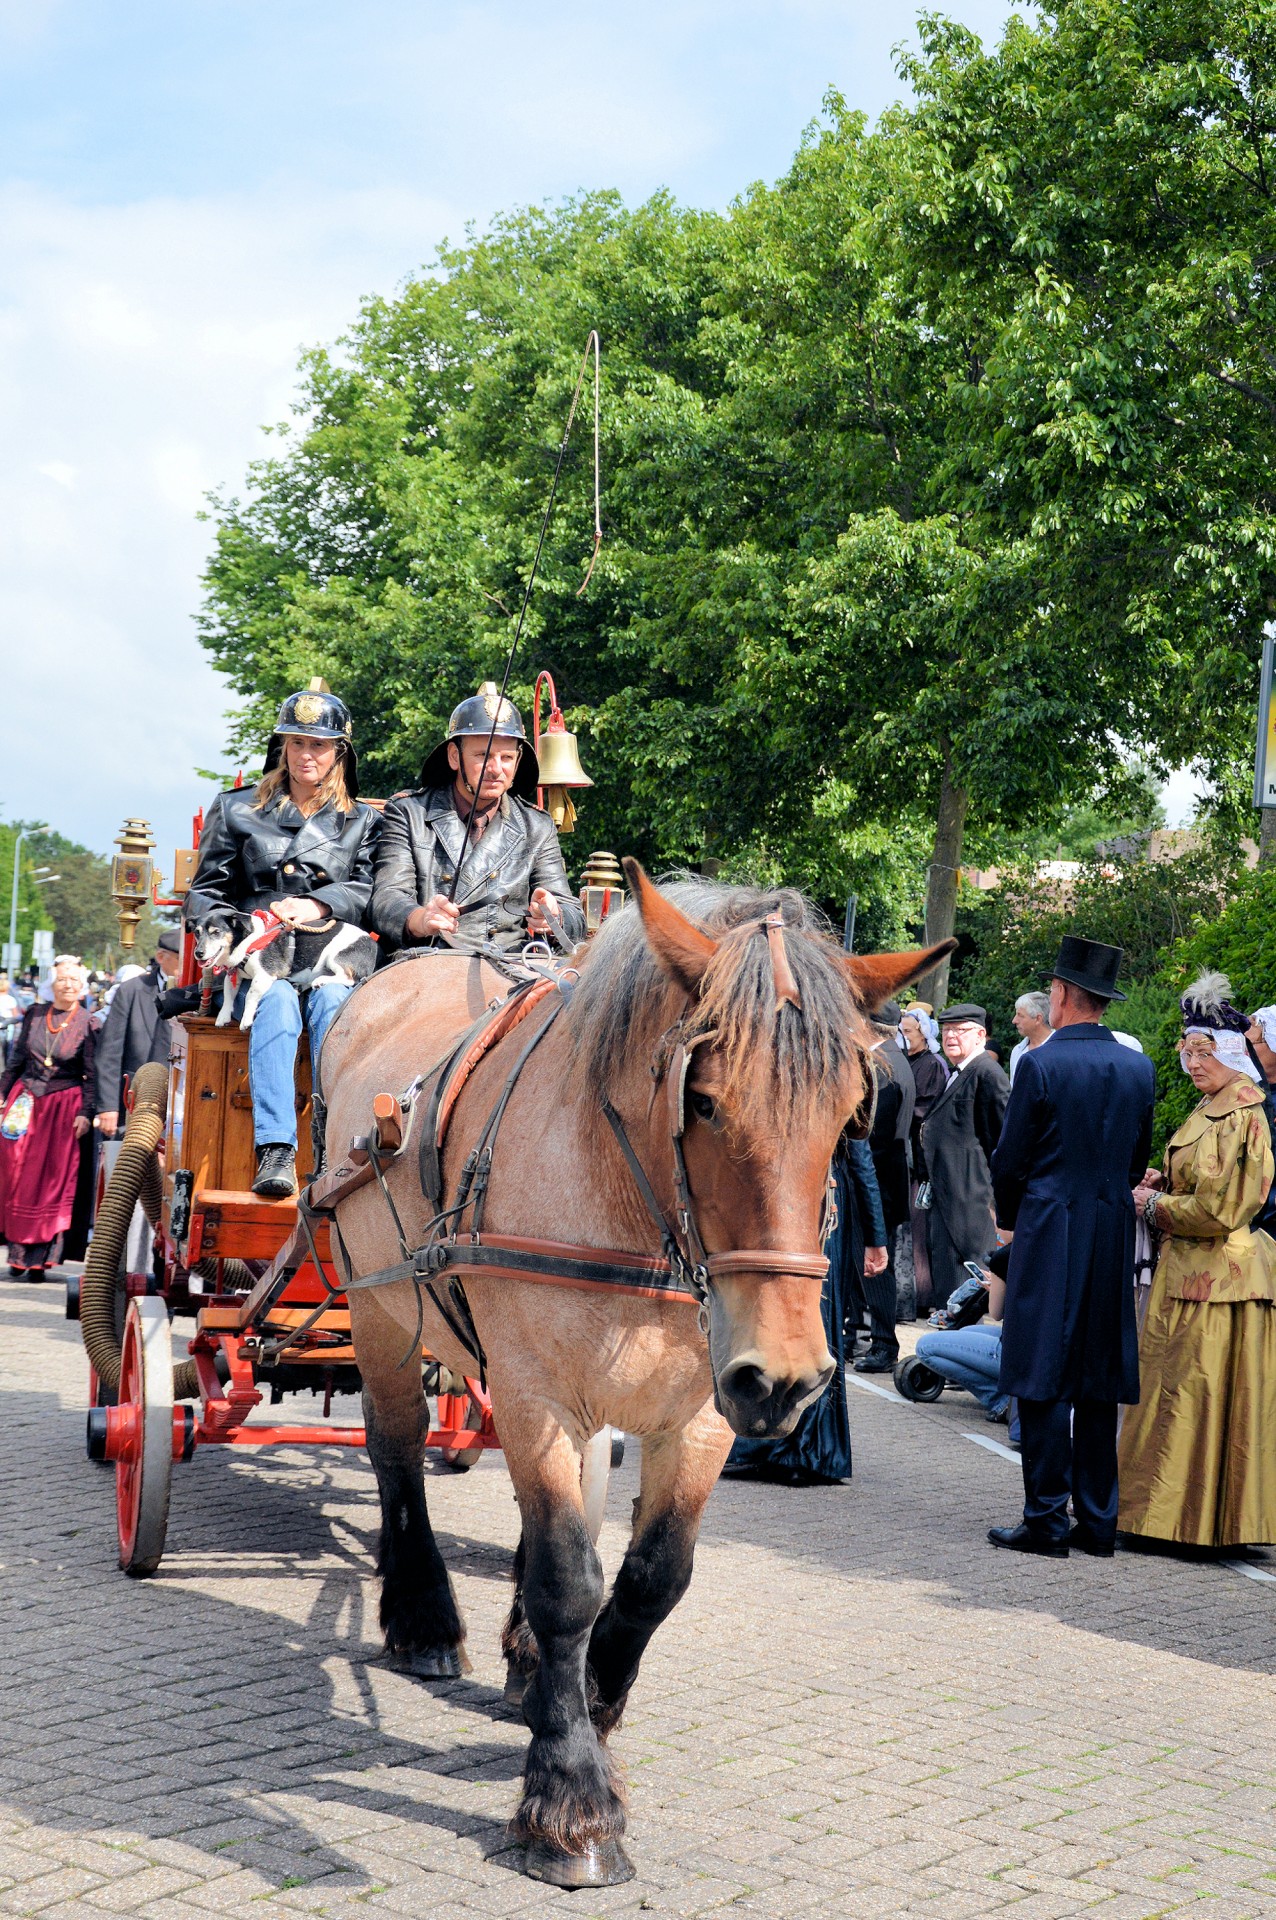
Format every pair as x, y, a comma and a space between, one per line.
1076, 1140
511, 868
958, 1136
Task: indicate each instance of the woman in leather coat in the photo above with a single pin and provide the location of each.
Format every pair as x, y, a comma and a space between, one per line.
300, 845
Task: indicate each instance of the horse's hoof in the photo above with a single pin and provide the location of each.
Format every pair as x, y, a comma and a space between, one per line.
432, 1663
605, 1864
516, 1685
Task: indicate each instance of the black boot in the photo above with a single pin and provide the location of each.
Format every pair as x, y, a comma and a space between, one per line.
276, 1172
876, 1360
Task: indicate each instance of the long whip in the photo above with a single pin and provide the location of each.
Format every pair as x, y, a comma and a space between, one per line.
591, 346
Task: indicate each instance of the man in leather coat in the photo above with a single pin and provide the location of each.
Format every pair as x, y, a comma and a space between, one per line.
300, 844
511, 867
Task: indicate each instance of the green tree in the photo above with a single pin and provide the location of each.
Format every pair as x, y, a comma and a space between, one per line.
937, 487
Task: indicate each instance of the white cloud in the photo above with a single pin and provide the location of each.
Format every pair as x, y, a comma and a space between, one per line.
145, 347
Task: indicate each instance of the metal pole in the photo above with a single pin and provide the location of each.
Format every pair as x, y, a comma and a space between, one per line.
13, 898
848, 932
24, 833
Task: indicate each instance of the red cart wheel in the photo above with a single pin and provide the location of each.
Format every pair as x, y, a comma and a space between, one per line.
144, 1468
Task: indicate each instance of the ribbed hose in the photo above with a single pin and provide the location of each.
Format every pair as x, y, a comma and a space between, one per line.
135, 1175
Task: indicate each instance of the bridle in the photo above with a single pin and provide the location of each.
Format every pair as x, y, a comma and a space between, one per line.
681, 1241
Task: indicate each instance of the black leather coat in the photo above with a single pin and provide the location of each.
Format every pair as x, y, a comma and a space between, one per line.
421, 841
248, 859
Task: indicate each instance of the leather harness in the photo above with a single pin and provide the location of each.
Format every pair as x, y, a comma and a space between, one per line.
682, 1272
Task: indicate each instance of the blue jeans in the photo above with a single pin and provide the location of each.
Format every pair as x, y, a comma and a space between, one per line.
968, 1357
272, 1053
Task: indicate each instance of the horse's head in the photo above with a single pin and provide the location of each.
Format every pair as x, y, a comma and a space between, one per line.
754, 1055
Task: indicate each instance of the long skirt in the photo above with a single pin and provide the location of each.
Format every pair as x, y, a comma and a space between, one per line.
1197, 1455
819, 1447
38, 1174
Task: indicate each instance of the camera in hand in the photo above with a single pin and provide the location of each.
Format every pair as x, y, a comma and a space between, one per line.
966, 1303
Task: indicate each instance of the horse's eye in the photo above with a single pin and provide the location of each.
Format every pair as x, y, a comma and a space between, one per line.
702, 1106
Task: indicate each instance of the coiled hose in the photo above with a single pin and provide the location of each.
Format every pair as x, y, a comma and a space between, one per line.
135, 1176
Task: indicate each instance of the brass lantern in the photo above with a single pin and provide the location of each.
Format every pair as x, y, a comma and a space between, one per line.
132, 871
556, 755
602, 889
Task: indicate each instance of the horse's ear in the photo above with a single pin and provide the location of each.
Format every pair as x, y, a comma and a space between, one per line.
877, 977
682, 950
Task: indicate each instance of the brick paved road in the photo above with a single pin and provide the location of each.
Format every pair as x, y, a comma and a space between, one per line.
859, 1709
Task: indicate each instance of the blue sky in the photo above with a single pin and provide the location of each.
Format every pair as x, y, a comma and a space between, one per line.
192, 193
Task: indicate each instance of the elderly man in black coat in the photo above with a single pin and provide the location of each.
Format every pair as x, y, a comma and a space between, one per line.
1076, 1140
958, 1137
134, 1031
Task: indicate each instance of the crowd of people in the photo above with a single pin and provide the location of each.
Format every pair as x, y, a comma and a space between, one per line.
1116, 1316
71, 1042
1061, 1278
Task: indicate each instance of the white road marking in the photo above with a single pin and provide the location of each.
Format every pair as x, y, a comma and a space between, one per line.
1251, 1573
993, 1446
871, 1386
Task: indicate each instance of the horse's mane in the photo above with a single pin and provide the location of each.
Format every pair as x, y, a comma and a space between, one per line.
782, 1060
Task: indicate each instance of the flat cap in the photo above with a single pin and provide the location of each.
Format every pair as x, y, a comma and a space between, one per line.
964, 1010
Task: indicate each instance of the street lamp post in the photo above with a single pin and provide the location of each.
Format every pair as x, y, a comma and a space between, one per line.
24, 833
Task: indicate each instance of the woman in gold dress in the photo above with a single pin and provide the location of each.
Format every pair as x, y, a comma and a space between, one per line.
1198, 1454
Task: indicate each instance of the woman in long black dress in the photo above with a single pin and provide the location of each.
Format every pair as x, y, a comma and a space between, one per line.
818, 1451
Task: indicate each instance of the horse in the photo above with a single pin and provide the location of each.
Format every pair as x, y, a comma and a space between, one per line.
678, 1102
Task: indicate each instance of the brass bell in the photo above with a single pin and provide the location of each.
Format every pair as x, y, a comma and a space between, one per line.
558, 760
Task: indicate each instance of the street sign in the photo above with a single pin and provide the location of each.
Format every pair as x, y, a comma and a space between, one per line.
1265, 752
42, 947
11, 956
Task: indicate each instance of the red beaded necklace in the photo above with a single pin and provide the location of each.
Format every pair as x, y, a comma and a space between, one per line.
53, 1031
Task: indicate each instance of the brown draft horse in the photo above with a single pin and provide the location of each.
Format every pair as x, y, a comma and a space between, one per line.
773, 1038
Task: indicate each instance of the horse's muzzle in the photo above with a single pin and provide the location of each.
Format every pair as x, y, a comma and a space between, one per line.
759, 1406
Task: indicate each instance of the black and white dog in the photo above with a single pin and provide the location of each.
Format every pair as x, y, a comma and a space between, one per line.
234, 943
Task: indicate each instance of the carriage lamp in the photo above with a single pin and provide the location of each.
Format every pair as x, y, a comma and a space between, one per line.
602, 889
559, 762
131, 873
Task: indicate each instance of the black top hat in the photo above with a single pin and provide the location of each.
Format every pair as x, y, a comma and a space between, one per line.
1090, 965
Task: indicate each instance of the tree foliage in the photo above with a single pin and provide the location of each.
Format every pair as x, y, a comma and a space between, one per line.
938, 474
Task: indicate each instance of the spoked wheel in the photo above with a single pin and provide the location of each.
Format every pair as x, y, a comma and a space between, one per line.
144, 1470
460, 1411
605, 1451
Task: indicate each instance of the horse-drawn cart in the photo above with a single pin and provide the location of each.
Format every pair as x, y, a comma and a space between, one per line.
270, 1317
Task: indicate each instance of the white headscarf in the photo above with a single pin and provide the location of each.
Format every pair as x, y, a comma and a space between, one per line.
1266, 1018
1229, 1048
928, 1025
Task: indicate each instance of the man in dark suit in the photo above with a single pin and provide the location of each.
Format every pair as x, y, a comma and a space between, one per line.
888, 1143
134, 1032
958, 1137
1077, 1135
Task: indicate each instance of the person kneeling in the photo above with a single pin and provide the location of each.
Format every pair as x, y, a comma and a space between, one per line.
969, 1356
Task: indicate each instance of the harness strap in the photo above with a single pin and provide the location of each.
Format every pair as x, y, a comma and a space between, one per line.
516, 1257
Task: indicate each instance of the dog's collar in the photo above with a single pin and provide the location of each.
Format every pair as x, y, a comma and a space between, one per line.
268, 926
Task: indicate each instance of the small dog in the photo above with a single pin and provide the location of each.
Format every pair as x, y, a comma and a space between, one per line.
305, 956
